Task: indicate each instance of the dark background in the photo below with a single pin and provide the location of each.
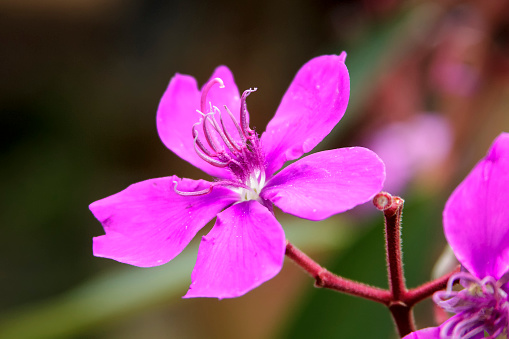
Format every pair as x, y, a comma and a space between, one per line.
80, 82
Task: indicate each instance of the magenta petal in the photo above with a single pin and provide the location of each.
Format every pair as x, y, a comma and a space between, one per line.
148, 224
313, 104
476, 216
325, 183
244, 249
426, 333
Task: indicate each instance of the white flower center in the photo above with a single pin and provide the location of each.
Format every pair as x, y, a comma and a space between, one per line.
256, 182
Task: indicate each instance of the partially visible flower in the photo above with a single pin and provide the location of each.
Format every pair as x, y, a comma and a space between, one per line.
476, 225
151, 222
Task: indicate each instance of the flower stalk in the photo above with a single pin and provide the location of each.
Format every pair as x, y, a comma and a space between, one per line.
326, 279
398, 299
401, 312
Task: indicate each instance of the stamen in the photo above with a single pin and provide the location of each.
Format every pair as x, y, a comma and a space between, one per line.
222, 131
235, 122
199, 143
242, 156
210, 137
244, 114
481, 306
466, 277
207, 158
230, 160
231, 183
206, 90
473, 333
227, 135
461, 327
448, 325
202, 192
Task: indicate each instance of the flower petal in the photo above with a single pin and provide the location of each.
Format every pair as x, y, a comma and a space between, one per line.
325, 183
313, 104
476, 217
426, 333
244, 249
177, 114
148, 223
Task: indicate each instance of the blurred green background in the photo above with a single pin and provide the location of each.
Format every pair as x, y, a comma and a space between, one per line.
80, 84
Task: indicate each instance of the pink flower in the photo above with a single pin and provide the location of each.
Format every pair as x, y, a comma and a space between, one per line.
151, 222
476, 225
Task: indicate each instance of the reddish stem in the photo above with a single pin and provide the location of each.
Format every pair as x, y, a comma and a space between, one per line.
329, 280
398, 299
400, 310
393, 248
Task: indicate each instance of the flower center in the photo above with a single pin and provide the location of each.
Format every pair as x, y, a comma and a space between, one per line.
482, 306
238, 151
254, 187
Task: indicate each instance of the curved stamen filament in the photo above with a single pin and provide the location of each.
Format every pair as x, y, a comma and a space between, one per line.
473, 333
201, 192
221, 131
207, 158
227, 135
447, 326
235, 122
461, 328
490, 285
199, 143
462, 276
244, 114
206, 89
210, 136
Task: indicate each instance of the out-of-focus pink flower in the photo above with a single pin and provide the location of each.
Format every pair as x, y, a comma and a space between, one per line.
151, 222
411, 147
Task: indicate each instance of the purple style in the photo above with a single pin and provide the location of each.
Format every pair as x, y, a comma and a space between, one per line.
151, 222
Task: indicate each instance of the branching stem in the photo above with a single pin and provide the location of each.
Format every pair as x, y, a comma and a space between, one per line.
399, 300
